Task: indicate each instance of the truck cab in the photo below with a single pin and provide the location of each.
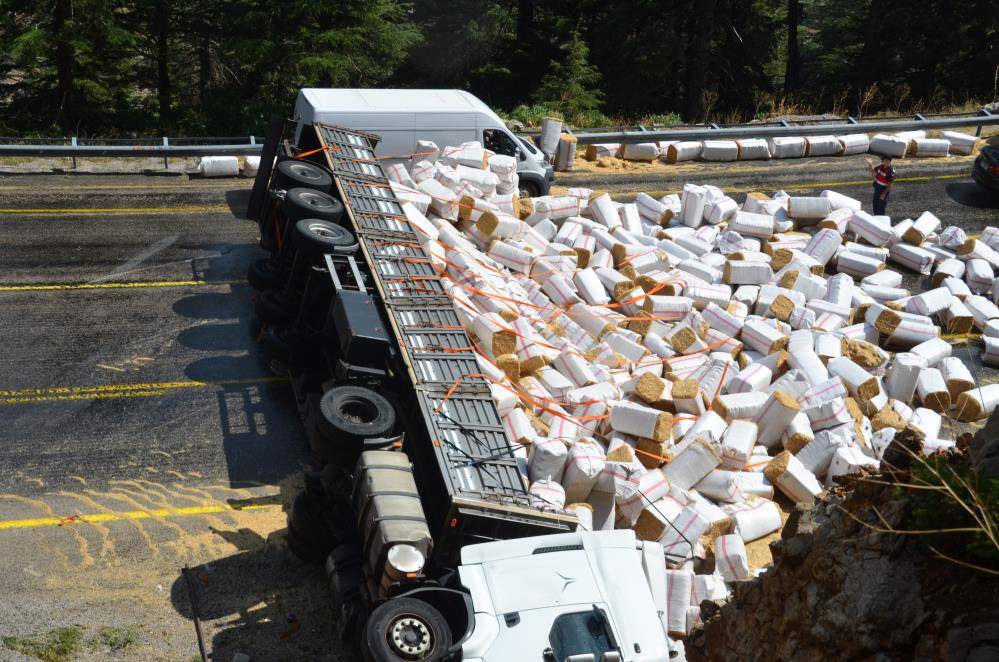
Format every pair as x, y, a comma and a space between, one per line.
574, 597
402, 117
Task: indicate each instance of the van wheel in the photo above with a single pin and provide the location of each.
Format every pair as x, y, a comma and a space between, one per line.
405, 629
529, 190
302, 203
294, 173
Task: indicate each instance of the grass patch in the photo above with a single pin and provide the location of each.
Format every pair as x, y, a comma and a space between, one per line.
58, 645
116, 638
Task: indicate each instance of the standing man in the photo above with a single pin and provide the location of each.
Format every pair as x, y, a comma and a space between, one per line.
884, 175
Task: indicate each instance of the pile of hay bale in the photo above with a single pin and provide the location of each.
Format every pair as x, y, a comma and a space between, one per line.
673, 364
911, 143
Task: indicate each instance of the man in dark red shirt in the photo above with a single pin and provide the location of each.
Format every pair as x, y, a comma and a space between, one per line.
884, 175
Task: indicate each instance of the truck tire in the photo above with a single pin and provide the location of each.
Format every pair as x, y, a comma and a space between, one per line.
263, 275
274, 307
303, 550
347, 416
302, 203
316, 237
294, 173
405, 629
278, 342
312, 530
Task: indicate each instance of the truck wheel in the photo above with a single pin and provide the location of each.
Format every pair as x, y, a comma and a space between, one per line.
311, 526
316, 237
405, 629
305, 552
294, 173
263, 275
279, 343
302, 203
350, 414
273, 307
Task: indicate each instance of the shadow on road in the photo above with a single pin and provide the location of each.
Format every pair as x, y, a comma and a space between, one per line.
238, 199
970, 194
261, 600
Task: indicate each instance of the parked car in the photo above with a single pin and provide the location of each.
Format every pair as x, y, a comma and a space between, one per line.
986, 169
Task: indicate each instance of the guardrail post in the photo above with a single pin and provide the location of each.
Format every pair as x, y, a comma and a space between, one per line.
166, 159
72, 141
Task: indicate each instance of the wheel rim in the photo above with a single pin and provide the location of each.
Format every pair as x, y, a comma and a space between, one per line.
409, 636
323, 231
357, 410
305, 172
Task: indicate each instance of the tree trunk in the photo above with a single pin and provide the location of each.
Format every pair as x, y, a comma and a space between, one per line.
163, 86
65, 108
697, 62
204, 72
792, 68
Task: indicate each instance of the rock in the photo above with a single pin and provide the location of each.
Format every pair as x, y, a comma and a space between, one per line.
985, 447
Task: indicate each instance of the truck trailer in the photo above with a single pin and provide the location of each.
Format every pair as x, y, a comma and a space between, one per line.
416, 504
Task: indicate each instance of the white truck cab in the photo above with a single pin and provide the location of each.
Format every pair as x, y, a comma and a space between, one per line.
402, 117
573, 597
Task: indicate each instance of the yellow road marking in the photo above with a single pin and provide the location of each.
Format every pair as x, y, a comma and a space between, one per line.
113, 211
108, 391
43, 287
113, 187
97, 518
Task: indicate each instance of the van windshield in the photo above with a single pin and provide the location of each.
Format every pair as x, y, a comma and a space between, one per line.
499, 142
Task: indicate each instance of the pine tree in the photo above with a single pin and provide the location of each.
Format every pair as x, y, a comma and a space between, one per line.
570, 86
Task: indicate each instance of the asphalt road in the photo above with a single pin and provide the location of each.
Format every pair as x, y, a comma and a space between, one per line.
140, 431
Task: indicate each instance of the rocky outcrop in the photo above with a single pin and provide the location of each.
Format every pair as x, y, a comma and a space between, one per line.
841, 588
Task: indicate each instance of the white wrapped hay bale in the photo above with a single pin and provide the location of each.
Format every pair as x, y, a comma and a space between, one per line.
928, 147
551, 129
565, 153
853, 143
822, 146
685, 150
754, 518
791, 147
978, 403
731, 558
753, 148
960, 143
720, 150
884, 144
791, 477
250, 166
585, 462
547, 494
640, 151
218, 166
595, 151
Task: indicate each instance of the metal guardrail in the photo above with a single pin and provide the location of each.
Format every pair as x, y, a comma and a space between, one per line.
787, 128
180, 147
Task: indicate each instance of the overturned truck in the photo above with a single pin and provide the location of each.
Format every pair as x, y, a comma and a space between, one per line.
413, 468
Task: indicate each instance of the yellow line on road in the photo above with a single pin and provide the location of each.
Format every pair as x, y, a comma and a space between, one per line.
117, 211
108, 391
45, 287
97, 518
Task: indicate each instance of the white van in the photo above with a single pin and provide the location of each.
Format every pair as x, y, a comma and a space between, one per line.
447, 117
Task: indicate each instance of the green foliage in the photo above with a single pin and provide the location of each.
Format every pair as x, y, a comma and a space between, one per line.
534, 114
964, 499
221, 67
59, 645
570, 86
115, 639
662, 119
